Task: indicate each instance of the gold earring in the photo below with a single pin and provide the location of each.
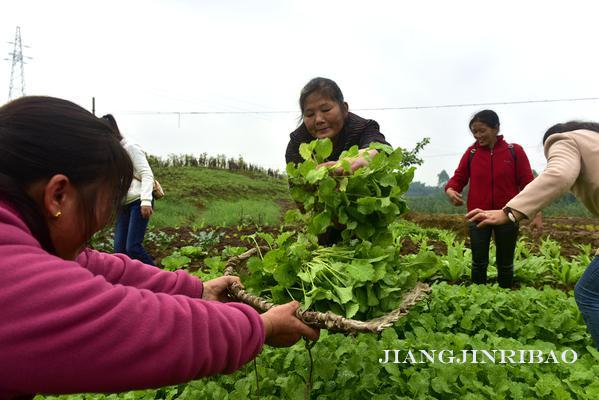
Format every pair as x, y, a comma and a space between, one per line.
57, 214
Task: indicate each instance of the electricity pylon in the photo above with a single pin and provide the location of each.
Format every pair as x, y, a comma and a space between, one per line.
16, 88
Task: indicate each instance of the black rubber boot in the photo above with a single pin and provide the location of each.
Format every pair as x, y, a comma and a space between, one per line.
505, 276
479, 274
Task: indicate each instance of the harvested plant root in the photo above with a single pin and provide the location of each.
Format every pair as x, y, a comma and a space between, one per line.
328, 320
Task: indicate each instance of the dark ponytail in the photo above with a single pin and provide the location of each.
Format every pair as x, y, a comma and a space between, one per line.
571, 126
109, 118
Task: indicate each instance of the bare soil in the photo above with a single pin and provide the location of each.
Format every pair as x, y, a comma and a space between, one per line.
568, 231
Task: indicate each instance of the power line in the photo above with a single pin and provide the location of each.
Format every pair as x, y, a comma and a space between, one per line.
202, 112
495, 103
232, 108
531, 147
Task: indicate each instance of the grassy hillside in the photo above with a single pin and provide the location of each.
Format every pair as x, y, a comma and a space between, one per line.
200, 196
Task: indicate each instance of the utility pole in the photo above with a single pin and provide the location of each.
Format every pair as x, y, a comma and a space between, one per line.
16, 88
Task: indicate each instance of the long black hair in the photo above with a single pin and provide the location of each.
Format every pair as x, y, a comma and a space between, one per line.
44, 136
571, 126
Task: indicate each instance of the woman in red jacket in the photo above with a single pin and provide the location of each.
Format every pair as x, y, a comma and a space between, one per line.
496, 171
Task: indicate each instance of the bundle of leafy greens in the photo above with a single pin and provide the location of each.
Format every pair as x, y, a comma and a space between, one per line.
359, 276
362, 203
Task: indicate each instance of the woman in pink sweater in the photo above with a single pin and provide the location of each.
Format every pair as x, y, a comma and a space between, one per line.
77, 320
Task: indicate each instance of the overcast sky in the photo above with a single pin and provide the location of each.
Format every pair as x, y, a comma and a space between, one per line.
138, 58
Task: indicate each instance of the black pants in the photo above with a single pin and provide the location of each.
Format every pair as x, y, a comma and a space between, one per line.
505, 243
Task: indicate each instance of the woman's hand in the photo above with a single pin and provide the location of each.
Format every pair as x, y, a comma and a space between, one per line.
217, 289
327, 164
454, 197
146, 211
355, 162
487, 217
283, 328
338, 170
536, 225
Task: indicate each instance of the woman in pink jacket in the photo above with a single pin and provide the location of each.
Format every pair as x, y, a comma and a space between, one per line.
77, 320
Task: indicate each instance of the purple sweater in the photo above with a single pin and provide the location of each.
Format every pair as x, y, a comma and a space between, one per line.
106, 323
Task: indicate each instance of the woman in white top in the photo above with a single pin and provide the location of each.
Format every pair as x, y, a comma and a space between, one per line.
134, 215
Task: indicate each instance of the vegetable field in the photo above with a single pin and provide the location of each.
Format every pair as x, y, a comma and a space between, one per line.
540, 314
462, 341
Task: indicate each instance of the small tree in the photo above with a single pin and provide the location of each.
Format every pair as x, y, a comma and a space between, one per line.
442, 179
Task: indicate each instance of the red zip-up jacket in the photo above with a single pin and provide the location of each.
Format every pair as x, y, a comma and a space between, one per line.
495, 176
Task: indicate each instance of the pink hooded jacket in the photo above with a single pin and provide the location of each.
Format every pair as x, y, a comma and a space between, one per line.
106, 323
